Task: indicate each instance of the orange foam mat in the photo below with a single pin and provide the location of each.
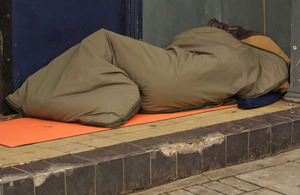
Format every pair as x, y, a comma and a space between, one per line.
30, 130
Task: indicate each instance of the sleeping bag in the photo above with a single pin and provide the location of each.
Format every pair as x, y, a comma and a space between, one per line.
107, 78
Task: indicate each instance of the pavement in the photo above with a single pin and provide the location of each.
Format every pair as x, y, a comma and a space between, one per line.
72, 145
276, 175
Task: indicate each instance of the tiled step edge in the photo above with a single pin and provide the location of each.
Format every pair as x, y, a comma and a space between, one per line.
123, 168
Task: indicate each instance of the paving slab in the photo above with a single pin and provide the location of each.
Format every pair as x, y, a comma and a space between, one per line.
152, 158
264, 177
254, 165
199, 189
187, 182
262, 192
239, 184
180, 192
281, 178
225, 189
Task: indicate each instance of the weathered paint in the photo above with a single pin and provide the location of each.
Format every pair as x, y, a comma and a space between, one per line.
278, 22
294, 92
134, 14
163, 19
43, 30
5, 54
248, 14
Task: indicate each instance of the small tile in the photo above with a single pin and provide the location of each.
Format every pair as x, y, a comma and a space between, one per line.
204, 121
259, 143
81, 180
296, 134
6, 174
137, 171
68, 160
22, 149
51, 144
134, 128
4, 148
149, 143
43, 153
285, 104
228, 128
250, 124
280, 138
7, 163
48, 178
28, 154
198, 133
79, 174
243, 114
177, 127
153, 132
272, 119
21, 186
35, 167
80, 138
237, 148
67, 148
163, 167
280, 131
109, 177
97, 155
293, 114
162, 123
221, 118
188, 164
81, 149
214, 156
100, 142
105, 133
174, 137
127, 137
270, 109
50, 184
124, 149
20, 159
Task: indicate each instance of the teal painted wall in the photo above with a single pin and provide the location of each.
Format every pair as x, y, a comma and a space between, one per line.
163, 19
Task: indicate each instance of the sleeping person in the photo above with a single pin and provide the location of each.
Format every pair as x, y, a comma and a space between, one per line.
107, 78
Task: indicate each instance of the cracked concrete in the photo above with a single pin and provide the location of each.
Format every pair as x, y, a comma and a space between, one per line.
193, 145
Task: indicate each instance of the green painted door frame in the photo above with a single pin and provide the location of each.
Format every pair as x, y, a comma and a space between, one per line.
293, 94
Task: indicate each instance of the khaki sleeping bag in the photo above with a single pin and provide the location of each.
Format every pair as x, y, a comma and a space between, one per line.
107, 78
